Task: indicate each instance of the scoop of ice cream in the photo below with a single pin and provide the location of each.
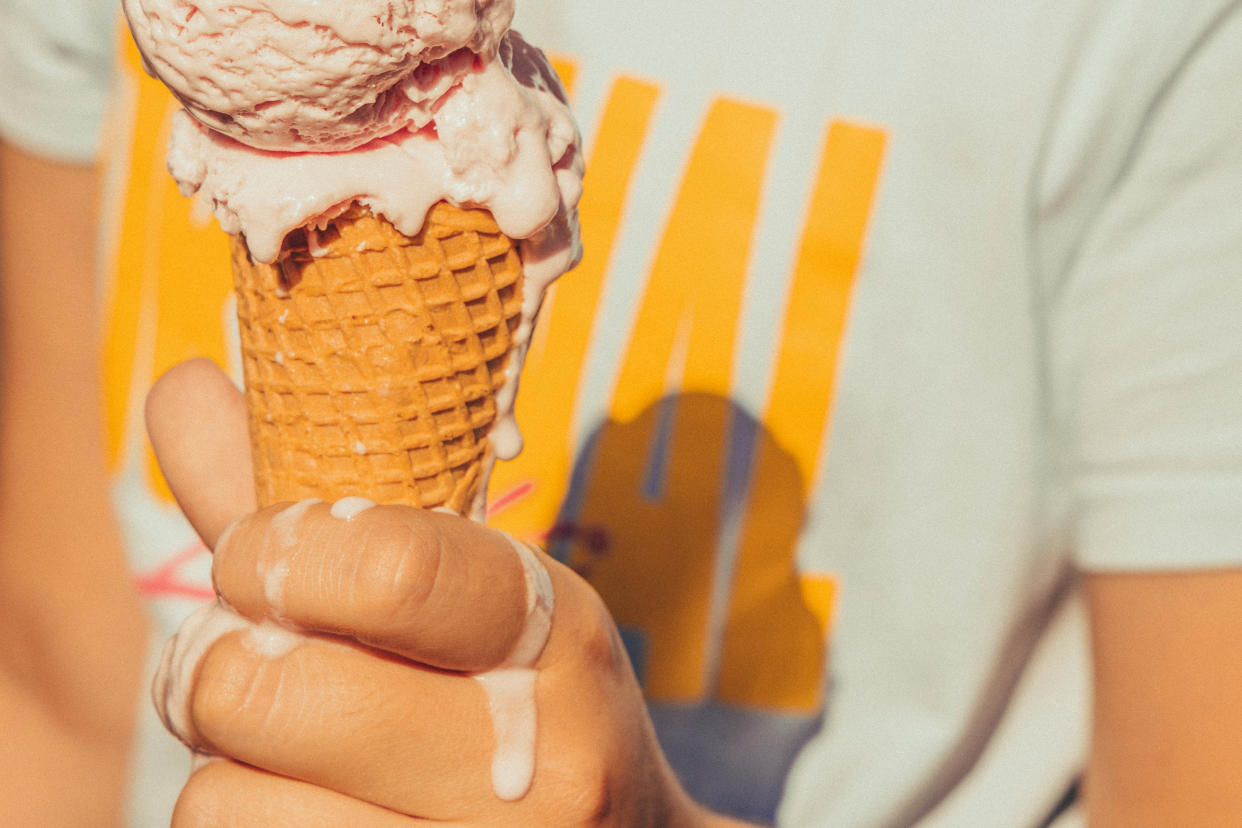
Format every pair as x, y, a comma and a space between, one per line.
309, 75
501, 137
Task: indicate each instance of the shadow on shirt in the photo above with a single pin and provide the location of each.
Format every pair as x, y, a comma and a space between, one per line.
687, 520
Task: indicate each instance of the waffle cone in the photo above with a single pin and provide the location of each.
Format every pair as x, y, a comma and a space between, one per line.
372, 359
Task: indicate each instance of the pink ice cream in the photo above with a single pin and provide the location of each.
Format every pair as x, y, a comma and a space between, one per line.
313, 74
296, 108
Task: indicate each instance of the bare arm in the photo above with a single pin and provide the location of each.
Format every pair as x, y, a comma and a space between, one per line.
72, 635
1167, 736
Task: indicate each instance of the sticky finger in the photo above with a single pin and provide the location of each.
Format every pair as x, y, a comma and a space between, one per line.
433, 588
413, 740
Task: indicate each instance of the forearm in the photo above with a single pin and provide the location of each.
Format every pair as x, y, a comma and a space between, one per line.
71, 629
1168, 678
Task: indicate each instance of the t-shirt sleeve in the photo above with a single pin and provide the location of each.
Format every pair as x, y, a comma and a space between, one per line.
55, 73
1146, 334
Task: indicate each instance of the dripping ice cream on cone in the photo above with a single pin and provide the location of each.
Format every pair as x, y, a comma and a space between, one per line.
400, 182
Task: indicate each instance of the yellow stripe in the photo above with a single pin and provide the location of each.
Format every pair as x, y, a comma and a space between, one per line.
554, 364
819, 594
773, 652
133, 248
171, 274
193, 281
823, 282
659, 552
661, 534
702, 262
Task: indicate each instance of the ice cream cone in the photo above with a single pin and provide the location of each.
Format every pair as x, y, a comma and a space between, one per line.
372, 359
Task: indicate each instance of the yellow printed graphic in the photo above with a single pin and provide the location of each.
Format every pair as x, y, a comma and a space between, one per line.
819, 593
699, 271
824, 277
659, 556
554, 364
656, 550
773, 641
171, 274
125, 297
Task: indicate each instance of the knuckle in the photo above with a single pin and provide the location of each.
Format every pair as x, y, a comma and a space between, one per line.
584, 791
233, 692
247, 529
593, 804
396, 570
240, 560
599, 642
204, 798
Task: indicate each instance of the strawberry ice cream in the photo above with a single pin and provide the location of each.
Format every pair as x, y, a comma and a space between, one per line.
295, 109
305, 75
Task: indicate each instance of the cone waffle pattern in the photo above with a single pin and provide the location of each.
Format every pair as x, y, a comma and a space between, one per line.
371, 367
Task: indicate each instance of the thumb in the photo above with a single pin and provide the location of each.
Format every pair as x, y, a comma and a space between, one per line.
196, 420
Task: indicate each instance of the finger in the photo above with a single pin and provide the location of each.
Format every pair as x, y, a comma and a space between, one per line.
224, 793
331, 714
196, 420
432, 587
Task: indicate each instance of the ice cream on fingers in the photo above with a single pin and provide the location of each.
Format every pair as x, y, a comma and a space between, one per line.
400, 181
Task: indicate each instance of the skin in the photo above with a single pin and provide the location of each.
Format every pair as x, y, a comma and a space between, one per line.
1167, 726
72, 632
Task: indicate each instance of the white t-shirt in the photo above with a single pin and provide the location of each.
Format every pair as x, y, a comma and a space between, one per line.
56, 62
890, 320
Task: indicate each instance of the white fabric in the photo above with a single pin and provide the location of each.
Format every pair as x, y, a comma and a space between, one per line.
55, 69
